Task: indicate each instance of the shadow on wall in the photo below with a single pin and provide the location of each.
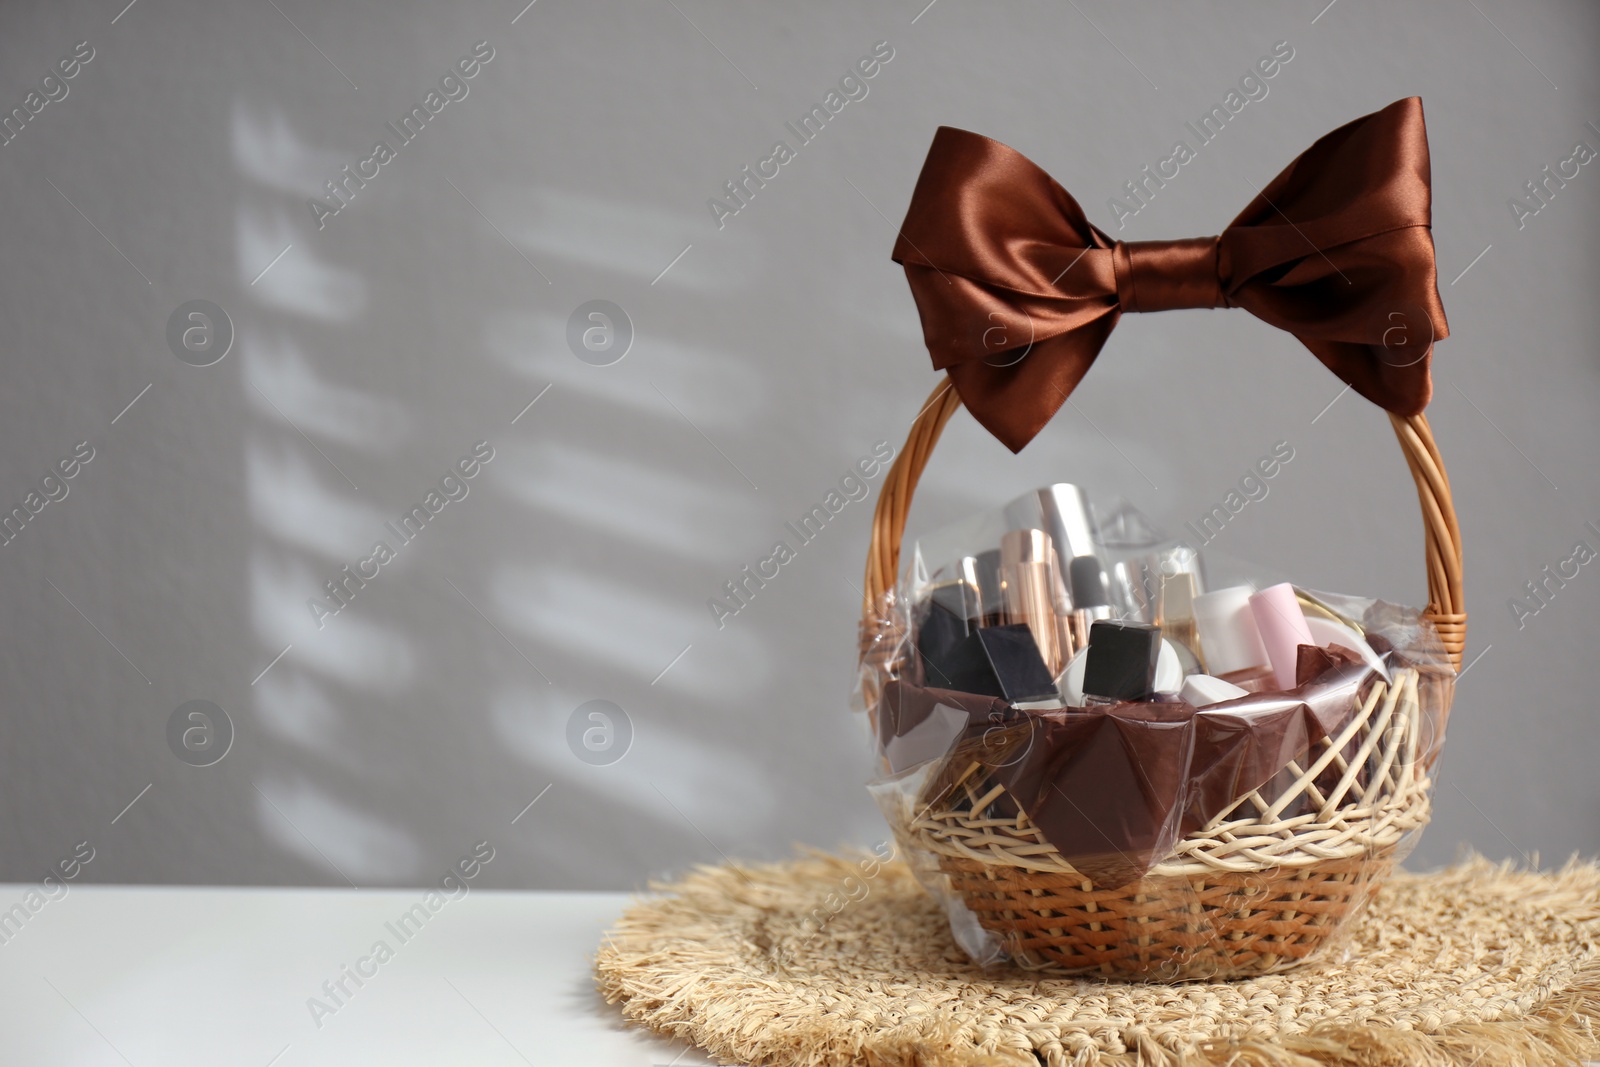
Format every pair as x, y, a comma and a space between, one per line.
307, 514
425, 714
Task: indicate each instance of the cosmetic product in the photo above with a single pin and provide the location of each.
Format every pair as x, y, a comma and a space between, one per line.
1326, 632
1175, 616
1070, 684
1016, 664
1061, 602
1188, 662
958, 596
1121, 664
1283, 630
1204, 689
995, 661
1134, 561
1168, 680
1089, 603
959, 664
1181, 559
941, 630
1136, 580
950, 616
1227, 629
986, 569
1169, 669
1130, 585
1065, 510
1060, 510
1027, 594
970, 597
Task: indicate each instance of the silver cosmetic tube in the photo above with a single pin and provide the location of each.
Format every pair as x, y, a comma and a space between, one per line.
1060, 510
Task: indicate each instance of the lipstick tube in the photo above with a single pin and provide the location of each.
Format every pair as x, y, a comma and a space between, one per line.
1027, 591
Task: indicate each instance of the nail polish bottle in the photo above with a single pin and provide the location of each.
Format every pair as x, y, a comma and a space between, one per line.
1121, 662
1167, 681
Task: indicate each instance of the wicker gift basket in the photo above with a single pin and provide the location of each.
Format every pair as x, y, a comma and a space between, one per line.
1264, 883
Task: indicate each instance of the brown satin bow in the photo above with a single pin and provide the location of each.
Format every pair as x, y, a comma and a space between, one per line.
1018, 291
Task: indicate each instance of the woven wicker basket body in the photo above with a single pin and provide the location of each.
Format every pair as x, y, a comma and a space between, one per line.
1261, 887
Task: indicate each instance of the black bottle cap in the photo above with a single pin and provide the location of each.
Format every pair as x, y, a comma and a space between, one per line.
1088, 582
962, 666
996, 661
1122, 660
1014, 658
940, 633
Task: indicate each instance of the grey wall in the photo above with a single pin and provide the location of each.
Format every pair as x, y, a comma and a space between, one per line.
769, 358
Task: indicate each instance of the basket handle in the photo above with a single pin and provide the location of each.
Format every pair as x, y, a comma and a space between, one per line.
1442, 544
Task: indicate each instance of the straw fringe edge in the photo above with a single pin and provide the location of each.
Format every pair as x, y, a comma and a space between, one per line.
659, 964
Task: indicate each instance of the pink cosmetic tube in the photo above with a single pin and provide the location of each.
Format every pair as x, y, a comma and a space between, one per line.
1283, 629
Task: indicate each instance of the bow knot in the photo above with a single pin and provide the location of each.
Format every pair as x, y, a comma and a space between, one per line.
1018, 291
1168, 275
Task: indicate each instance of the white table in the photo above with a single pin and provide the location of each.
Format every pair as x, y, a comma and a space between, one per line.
165, 977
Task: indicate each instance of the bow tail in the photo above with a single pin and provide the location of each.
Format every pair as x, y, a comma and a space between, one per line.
1385, 376
1013, 395
1369, 310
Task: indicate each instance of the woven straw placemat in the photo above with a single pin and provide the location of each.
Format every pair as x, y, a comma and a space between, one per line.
813, 963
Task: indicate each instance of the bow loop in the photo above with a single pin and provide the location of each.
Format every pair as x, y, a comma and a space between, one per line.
1018, 291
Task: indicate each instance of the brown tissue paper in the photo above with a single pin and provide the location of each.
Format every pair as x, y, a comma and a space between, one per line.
1114, 787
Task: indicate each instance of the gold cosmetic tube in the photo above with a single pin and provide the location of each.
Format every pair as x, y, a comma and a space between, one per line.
1027, 583
1061, 601
1175, 614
